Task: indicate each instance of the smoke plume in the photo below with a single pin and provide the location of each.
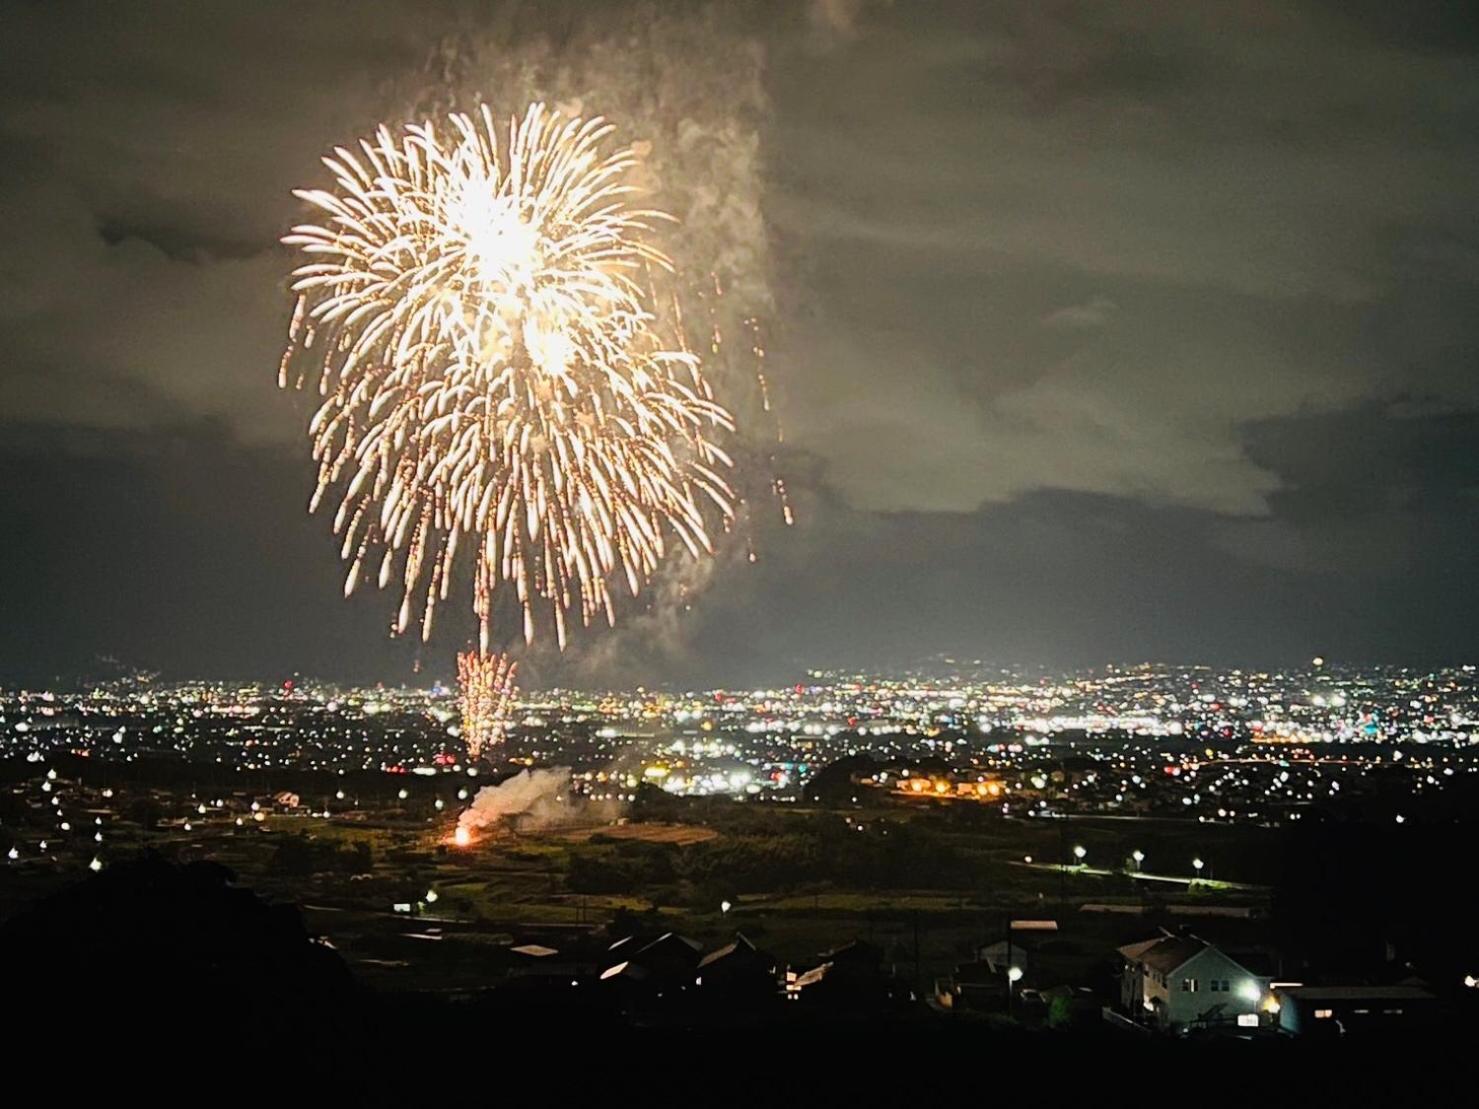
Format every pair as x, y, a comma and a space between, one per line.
534, 800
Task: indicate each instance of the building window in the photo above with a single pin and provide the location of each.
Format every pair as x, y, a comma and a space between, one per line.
1324, 1014
1188, 985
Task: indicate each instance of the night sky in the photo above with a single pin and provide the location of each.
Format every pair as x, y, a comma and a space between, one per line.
1100, 332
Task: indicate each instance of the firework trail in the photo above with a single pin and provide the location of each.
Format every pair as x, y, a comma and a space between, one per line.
476, 306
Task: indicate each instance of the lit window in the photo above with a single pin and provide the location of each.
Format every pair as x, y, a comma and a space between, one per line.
1324, 1014
1188, 985
1247, 1020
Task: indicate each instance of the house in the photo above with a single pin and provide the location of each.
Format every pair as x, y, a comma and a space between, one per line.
1002, 955
738, 967
1342, 1010
738, 981
849, 981
658, 973
1181, 983
536, 960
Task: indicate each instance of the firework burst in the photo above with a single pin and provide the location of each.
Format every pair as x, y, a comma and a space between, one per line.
475, 305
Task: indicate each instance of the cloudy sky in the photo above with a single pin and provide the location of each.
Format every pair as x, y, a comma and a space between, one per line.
1099, 331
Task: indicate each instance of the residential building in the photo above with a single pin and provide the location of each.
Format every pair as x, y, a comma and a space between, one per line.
1182, 983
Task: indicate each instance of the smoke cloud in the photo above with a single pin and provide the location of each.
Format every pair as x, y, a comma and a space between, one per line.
534, 800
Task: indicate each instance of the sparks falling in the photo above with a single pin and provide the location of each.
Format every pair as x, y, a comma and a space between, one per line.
487, 684
475, 305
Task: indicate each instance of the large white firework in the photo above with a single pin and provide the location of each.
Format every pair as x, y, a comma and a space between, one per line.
476, 303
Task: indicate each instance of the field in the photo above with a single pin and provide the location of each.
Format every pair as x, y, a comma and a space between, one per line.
926, 884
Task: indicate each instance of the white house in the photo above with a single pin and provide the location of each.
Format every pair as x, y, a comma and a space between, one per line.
1182, 982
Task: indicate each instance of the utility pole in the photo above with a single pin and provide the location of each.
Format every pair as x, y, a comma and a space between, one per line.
918, 982
1062, 862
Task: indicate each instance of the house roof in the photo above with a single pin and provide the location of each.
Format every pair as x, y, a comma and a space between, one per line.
670, 951
627, 969
535, 950
1133, 951
855, 951
1165, 953
1356, 993
672, 942
741, 949
994, 955
813, 976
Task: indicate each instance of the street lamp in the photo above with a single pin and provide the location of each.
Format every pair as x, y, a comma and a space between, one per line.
1079, 852
1138, 856
724, 906
1014, 975
1197, 865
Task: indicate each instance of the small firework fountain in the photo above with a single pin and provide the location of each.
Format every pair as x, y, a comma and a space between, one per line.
487, 682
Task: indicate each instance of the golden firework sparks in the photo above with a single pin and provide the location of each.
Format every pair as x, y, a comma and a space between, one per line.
487, 683
475, 306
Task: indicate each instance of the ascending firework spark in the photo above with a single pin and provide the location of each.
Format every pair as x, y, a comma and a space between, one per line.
487, 683
492, 373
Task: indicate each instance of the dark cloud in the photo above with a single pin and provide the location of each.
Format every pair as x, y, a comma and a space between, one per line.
1252, 186
1098, 330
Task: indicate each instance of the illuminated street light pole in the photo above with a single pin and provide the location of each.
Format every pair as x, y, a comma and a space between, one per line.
1197, 866
1139, 857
